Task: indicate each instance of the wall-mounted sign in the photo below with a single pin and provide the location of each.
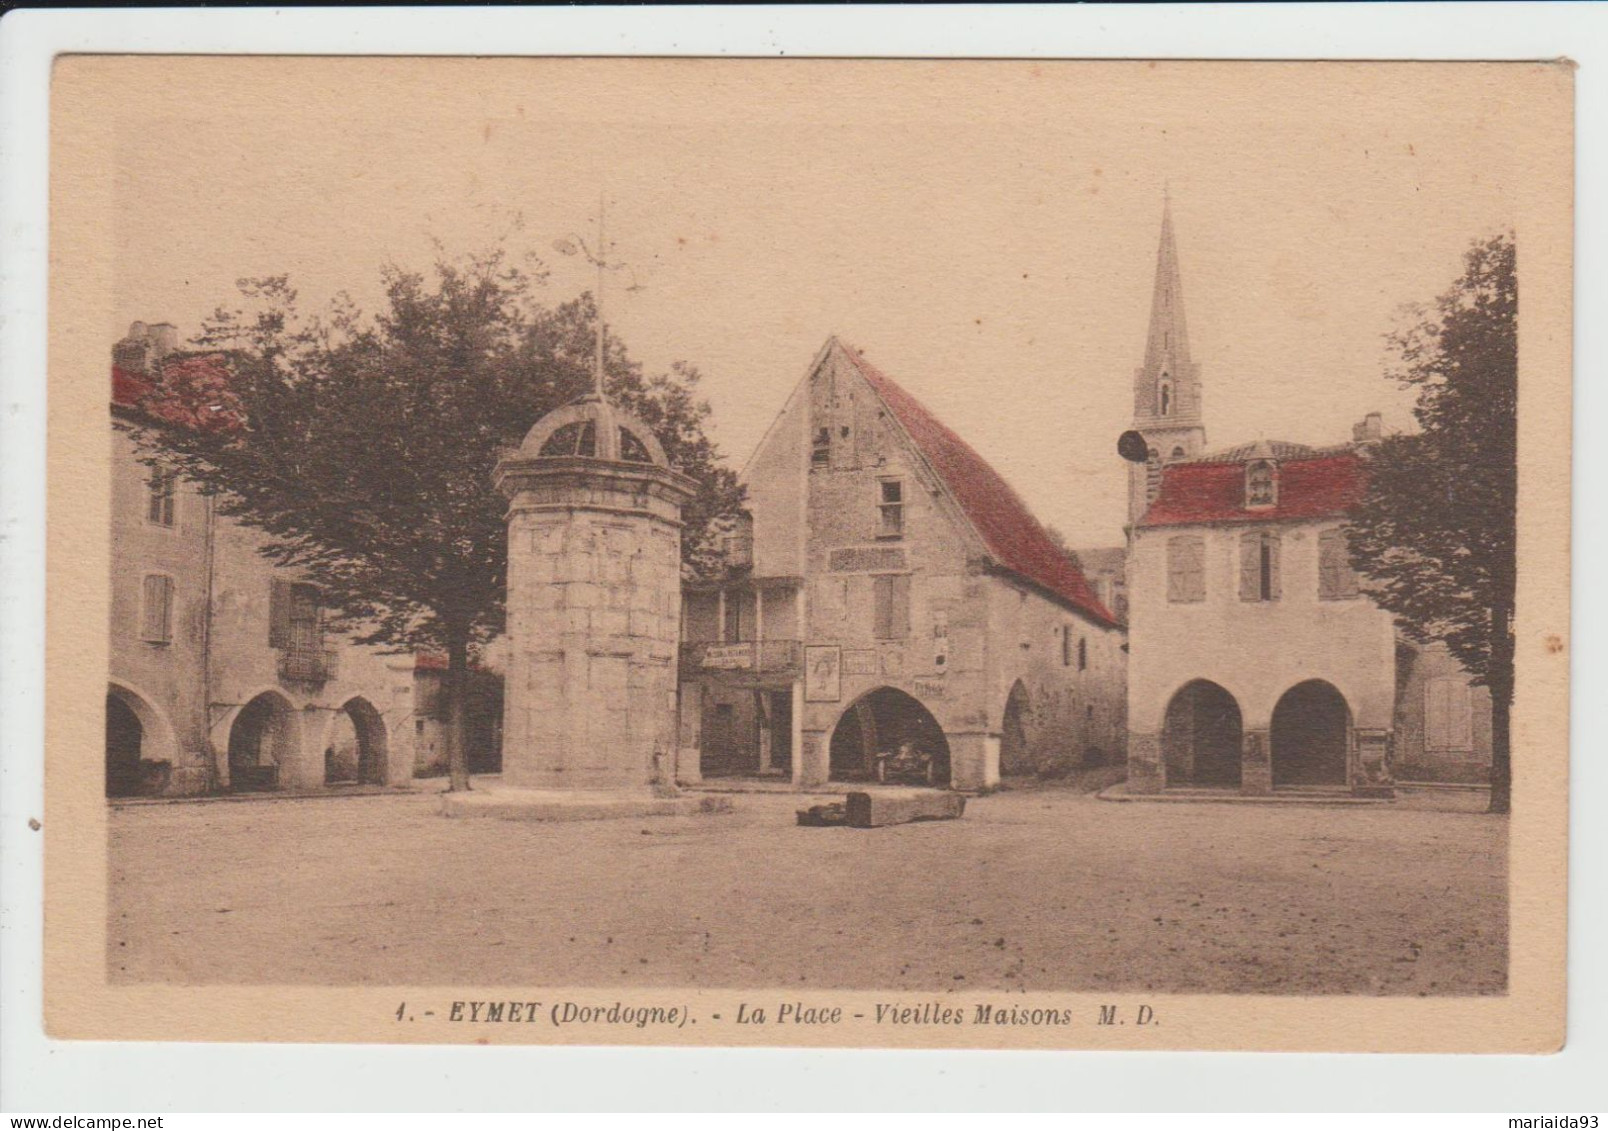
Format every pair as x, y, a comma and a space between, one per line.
728, 657
823, 673
860, 661
928, 687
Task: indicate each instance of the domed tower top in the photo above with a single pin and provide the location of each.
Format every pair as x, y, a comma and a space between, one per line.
592, 428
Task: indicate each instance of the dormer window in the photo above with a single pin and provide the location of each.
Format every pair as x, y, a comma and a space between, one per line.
1166, 398
1261, 484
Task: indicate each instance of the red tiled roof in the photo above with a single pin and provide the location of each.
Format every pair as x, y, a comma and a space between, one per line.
193, 392
1013, 536
1321, 487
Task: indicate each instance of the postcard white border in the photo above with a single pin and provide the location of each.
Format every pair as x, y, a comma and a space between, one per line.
66, 1076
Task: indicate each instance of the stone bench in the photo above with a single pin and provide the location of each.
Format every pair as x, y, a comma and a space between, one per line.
875, 810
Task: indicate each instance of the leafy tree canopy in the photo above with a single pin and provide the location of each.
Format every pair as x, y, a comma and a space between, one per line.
1435, 537
363, 446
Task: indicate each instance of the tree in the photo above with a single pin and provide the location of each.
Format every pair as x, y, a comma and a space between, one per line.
364, 447
1435, 535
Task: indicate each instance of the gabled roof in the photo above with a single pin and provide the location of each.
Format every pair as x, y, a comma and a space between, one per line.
1015, 539
1322, 485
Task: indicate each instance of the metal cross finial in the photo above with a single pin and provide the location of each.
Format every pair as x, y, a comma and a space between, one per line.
575, 245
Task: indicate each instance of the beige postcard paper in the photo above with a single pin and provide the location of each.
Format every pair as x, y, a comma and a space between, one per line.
810, 552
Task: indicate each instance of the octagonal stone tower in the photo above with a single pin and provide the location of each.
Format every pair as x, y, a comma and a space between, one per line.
594, 604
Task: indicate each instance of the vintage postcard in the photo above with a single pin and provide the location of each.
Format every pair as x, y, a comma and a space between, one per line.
810, 552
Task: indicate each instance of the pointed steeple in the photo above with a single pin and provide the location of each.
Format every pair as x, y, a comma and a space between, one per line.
1167, 346
1166, 388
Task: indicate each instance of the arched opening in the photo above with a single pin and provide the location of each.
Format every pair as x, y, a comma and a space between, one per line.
888, 734
262, 741
124, 736
1013, 753
139, 746
1201, 736
1309, 735
357, 747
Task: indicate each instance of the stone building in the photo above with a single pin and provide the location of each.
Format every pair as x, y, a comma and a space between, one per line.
887, 590
222, 675
1256, 662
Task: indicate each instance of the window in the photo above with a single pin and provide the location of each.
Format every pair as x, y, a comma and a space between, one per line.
632, 449
1178, 453
1261, 484
294, 622
821, 452
1083, 653
156, 609
891, 507
1448, 715
940, 635
733, 632
891, 597
577, 438
1259, 566
1186, 568
1166, 399
1066, 646
1336, 579
159, 497
1152, 475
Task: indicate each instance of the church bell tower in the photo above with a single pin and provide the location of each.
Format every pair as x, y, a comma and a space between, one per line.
1166, 388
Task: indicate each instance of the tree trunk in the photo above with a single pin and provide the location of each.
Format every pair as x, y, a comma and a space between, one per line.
456, 688
1501, 684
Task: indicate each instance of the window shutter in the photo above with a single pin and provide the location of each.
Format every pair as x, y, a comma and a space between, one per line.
1347, 575
1186, 569
157, 609
899, 622
279, 600
1272, 543
1329, 546
1448, 715
1250, 567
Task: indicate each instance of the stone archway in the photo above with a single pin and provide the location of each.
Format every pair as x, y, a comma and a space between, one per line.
1014, 756
1202, 736
263, 740
357, 748
140, 751
1310, 735
880, 722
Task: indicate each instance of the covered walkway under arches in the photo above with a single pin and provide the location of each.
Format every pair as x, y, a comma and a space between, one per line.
1310, 736
357, 749
140, 748
1202, 736
1014, 757
882, 722
263, 740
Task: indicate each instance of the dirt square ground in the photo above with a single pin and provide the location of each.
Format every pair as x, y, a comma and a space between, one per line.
1033, 890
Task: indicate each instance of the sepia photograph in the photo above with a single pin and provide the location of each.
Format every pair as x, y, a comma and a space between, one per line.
840, 552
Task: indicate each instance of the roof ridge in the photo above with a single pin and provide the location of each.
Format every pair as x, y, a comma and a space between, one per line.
999, 516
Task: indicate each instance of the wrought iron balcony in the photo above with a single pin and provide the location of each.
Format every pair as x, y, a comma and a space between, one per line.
308, 665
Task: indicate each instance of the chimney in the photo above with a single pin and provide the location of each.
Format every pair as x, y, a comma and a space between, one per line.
145, 345
164, 337
1370, 431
